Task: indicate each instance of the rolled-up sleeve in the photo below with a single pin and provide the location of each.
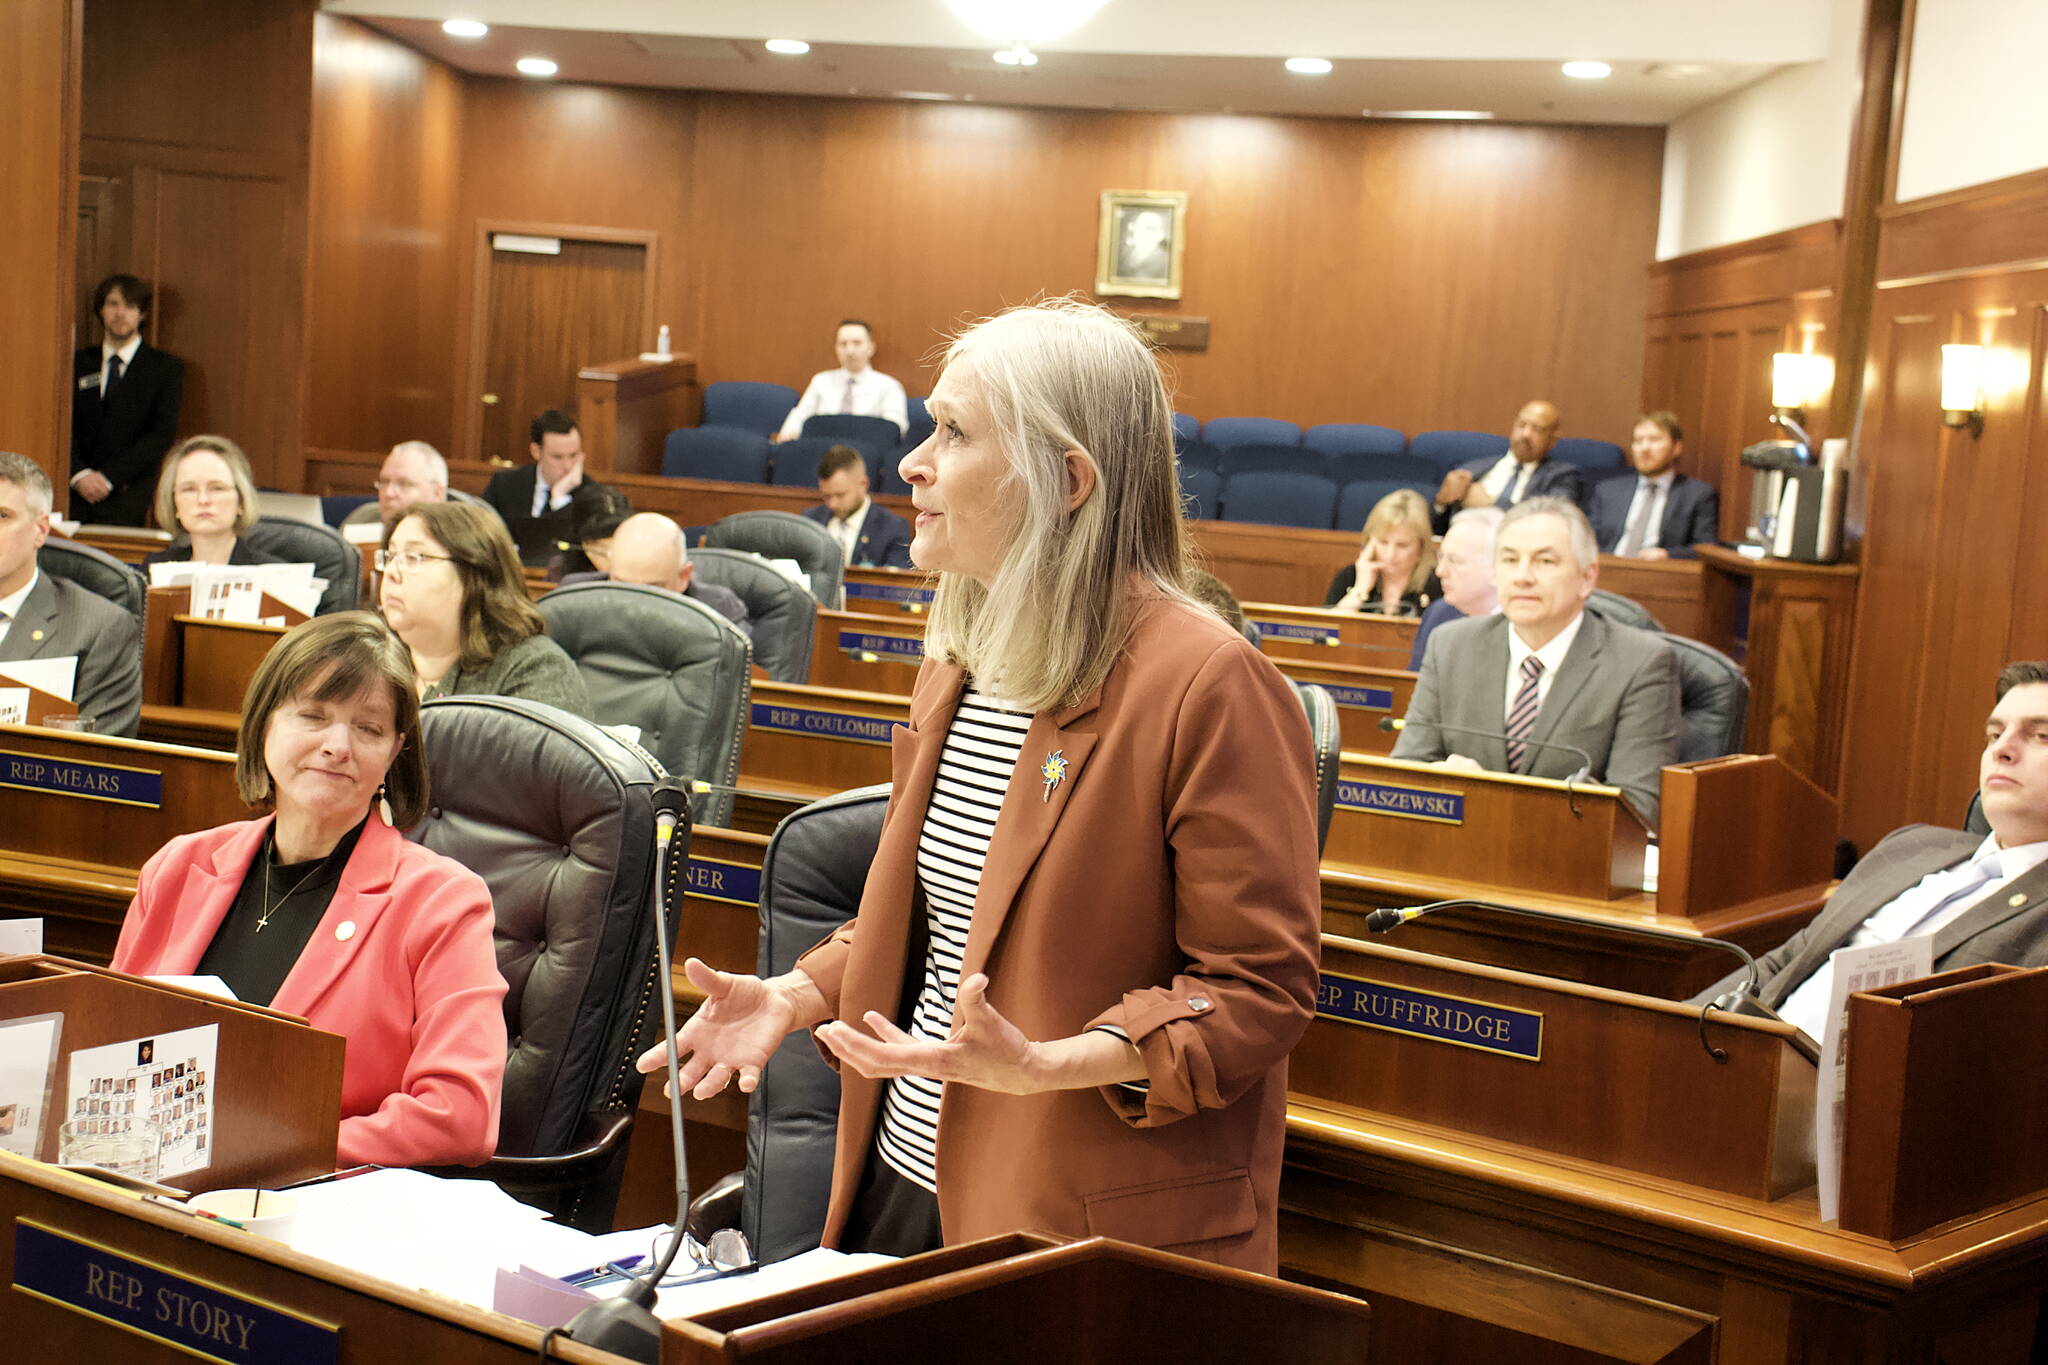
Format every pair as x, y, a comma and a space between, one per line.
1241, 823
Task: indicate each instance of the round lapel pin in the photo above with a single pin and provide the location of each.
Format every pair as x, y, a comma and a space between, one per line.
345, 931
2019, 898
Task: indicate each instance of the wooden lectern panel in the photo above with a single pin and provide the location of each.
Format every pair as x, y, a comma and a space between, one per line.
867, 652
807, 742
1743, 831
1586, 1073
1946, 1099
1359, 639
276, 1082
1010, 1299
1485, 832
627, 408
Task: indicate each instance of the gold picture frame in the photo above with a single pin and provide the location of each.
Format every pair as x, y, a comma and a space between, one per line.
1140, 240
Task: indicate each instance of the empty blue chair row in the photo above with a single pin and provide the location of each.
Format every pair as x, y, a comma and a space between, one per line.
1281, 497
747, 406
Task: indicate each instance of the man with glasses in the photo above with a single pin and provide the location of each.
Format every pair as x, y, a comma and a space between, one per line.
413, 472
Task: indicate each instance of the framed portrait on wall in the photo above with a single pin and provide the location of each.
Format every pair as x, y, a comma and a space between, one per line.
1139, 243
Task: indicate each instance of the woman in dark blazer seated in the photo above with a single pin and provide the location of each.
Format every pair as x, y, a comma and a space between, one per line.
453, 590
1394, 574
323, 909
207, 497
1095, 895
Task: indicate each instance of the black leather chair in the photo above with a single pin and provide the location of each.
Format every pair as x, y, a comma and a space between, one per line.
332, 557
1622, 611
1327, 734
783, 615
1973, 818
667, 664
96, 571
1713, 697
785, 535
555, 814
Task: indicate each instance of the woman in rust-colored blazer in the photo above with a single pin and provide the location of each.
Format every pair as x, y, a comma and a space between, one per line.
1140, 956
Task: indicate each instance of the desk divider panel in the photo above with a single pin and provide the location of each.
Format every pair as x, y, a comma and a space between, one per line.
1365, 695
1744, 830
1586, 1073
867, 652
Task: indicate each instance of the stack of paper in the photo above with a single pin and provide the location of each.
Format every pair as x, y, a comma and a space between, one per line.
235, 592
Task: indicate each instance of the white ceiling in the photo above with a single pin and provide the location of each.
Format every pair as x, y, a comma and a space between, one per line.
1501, 56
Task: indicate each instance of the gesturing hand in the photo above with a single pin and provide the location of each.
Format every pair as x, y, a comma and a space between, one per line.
740, 1024
985, 1050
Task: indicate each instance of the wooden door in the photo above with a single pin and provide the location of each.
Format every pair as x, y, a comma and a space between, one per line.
547, 316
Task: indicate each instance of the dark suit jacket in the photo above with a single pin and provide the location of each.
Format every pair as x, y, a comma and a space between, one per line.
125, 436
59, 619
1692, 514
2007, 926
1615, 696
1437, 613
510, 494
884, 537
1553, 478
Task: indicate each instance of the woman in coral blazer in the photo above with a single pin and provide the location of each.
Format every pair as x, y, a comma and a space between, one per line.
1088, 939
324, 910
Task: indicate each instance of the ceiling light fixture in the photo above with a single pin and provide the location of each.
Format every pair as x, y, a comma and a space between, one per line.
465, 28
1024, 21
787, 47
924, 95
1428, 113
1588, 71
1019, 55
536, 66
1309, 66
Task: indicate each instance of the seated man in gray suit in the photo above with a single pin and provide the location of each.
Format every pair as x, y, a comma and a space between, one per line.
42, 617
1980, 899
1543, 672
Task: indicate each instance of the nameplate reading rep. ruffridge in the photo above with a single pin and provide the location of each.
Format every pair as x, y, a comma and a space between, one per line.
1409, 803
198, 1318
87, 781
1424, 1014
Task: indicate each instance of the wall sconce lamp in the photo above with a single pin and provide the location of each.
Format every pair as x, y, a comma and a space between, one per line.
1962, 388
1796, 379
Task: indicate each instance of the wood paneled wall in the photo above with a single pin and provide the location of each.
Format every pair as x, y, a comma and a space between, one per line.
38, 208
1955, 577
1715, 320
383, 281
198, 111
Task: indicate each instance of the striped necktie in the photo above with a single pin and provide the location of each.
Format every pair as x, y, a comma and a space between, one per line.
846, 403
1522, 715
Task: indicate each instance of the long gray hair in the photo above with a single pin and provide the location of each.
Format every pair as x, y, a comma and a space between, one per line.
1047, 628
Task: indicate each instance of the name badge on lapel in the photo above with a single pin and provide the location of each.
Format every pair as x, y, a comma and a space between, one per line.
90, 381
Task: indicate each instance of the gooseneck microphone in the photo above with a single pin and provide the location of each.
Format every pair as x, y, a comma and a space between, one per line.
1742, 1000
626, 1325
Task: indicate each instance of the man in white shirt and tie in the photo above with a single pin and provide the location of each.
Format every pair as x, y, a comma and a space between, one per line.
1656, 512
856, 388
1525, 471
1979, 897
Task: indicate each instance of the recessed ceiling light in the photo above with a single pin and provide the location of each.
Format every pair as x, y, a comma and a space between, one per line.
536, 66
465, 28
1588, 71
1309, 66
922, 95
1019, 55
787, 47
1428, 113
1678, 71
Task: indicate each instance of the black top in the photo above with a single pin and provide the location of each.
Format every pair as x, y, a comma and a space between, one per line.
1411, 603
180, 552
254, 962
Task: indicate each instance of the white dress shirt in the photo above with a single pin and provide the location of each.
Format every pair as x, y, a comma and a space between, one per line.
545, 496
11, 605
1658, 491
846, 529
1927, 907
1552, 656
872, 394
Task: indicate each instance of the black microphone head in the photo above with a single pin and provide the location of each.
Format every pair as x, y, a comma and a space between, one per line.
672, 798
1389, 724
1383, 919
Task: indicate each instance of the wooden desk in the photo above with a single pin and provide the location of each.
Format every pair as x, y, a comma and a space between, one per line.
1364, 695
892, 593
1356, 638
627, 408
806, 742
867, 653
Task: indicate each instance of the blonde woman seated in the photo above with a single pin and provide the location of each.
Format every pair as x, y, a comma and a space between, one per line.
324, 910
208, 499
1392, 575
453, 590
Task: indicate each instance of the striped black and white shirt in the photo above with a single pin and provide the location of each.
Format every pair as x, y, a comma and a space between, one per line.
981, 752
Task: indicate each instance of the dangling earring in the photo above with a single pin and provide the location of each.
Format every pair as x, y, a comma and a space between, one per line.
384, 802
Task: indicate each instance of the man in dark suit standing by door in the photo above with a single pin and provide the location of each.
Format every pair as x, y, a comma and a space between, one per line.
125, 397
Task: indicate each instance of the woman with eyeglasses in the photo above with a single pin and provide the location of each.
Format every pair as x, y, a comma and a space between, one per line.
208, 499
321, 907
452, 589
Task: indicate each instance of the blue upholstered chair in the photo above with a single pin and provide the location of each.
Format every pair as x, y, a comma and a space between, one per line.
715, 453
1597, 458
758, 408
1244, 459
1186, 430
1200, 490
1449, 449
796, 462
1413, 471
1356, 499
1225, 432
1354, 438
1281, 498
